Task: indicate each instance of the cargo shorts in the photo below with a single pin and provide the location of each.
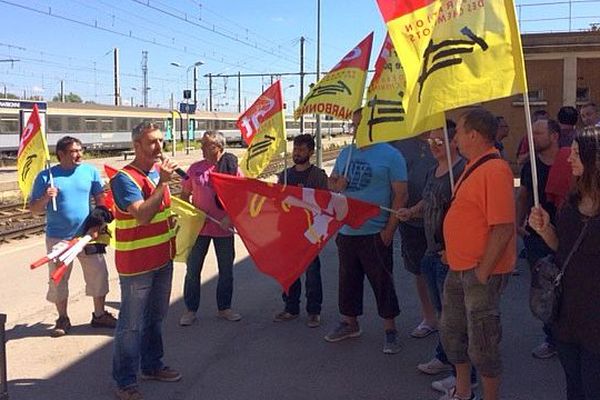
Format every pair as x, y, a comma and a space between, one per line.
95, 275
470, 324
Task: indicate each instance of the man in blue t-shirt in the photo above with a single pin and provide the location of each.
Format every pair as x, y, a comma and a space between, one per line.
376, 174
74, 185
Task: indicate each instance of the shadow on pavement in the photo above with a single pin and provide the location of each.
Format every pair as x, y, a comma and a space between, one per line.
258, 359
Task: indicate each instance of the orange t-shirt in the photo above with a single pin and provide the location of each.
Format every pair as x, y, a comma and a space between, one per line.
483, 200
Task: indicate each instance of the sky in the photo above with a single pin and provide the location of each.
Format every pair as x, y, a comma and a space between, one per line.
73, 41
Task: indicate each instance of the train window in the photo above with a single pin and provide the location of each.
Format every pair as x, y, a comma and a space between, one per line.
106, 125
133, 122
121, 124
9, 124
55, 123
201, 125
231, 125
73, 124
91, 125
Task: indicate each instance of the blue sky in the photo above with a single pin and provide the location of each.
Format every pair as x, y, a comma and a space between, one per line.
257, 36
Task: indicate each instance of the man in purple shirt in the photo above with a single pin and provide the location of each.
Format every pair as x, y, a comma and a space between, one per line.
203, 197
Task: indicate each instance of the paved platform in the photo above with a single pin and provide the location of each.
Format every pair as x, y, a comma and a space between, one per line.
251, 359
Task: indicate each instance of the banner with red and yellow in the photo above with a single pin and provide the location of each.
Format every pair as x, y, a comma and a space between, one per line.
455, 53
340, 92
285, 227
383, 117
33, 153
263, 129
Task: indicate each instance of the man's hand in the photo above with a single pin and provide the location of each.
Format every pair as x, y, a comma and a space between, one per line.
337, 183
404, 214
482, 276
225, 223
387, 235
51, 192
166, 169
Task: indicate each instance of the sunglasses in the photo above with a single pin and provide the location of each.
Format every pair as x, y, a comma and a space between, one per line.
435, 141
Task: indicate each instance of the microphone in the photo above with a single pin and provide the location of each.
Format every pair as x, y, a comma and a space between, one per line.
178, 171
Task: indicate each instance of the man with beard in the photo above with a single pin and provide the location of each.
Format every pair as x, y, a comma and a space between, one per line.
304, 174
74, 184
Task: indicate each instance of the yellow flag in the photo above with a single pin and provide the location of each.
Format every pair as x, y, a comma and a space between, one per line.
190, 221
384, 118
33, 153
455, 53
263, 128
340, 92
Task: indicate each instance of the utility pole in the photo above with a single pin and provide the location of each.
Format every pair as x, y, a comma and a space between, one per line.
116, 77
210, 93
302, 40
4, 91
239, 91
171, 102
319, 145
62, 91
145, 78
195, 87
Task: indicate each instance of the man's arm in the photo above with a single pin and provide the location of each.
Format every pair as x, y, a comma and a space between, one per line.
399, 198
185, 194
38, 206
99, 199
497, 241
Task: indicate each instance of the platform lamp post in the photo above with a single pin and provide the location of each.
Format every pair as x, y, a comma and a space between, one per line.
188, 109
3, 382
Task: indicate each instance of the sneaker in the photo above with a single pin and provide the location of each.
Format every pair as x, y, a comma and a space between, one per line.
451, 395
434, 367
391, 343
106, 320
62, 327
284, 316
343, 331
423, 330
229, 315
543, 351
313, 320
188, 318
165, 374
130, 393
446, 384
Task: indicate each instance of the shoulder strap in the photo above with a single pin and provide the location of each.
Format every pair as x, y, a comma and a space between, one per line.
467, 173
573, 250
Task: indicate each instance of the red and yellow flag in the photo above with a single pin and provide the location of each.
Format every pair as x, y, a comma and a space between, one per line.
263, 129
291, 222
384, 118
455, 53
33, 153
340, 92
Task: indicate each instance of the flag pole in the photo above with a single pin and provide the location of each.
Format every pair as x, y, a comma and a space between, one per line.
448, 156
534, 174
51, 179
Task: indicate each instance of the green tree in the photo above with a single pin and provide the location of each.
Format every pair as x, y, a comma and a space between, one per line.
69, 98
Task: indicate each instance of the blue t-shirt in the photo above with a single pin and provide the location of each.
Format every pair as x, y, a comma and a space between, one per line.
126, 192
75, 188
370, 175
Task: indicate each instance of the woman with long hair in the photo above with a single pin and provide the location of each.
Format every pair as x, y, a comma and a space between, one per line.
577, 328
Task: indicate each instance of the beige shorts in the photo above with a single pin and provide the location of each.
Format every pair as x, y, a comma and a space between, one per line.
95, 275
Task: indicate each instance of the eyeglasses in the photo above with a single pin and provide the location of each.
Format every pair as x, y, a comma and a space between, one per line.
435, 141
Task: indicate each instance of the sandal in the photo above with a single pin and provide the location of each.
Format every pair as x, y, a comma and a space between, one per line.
423, 330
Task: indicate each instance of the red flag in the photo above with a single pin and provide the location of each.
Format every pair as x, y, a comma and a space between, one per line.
109, 200
266, 106
285, 227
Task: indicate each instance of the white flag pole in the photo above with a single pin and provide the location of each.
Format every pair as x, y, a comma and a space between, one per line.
534, 175
51, 179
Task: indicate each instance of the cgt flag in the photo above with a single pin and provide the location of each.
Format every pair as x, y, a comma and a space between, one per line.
340, 92
33, 153
291, 222
455, 53
383, 117
263, 129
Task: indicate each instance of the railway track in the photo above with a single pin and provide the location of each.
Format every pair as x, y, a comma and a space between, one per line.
18, 223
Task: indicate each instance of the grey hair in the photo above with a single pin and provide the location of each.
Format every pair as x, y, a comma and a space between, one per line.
142, 128
217, 137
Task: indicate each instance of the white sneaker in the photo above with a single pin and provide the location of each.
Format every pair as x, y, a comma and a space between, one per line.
434, 367
444, 385
188, 318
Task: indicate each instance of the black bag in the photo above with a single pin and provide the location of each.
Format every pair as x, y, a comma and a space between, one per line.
546, 284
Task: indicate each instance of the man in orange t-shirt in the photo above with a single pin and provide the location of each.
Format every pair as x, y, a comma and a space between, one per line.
480, 239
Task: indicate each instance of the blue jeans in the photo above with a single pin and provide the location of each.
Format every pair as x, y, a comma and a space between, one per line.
435, 272
138, 336
582, 371
225, 255
314, 291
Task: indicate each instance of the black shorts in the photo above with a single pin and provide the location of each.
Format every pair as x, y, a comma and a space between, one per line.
414, 246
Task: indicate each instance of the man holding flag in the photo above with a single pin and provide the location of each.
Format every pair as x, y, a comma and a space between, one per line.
376, 174
74, 184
